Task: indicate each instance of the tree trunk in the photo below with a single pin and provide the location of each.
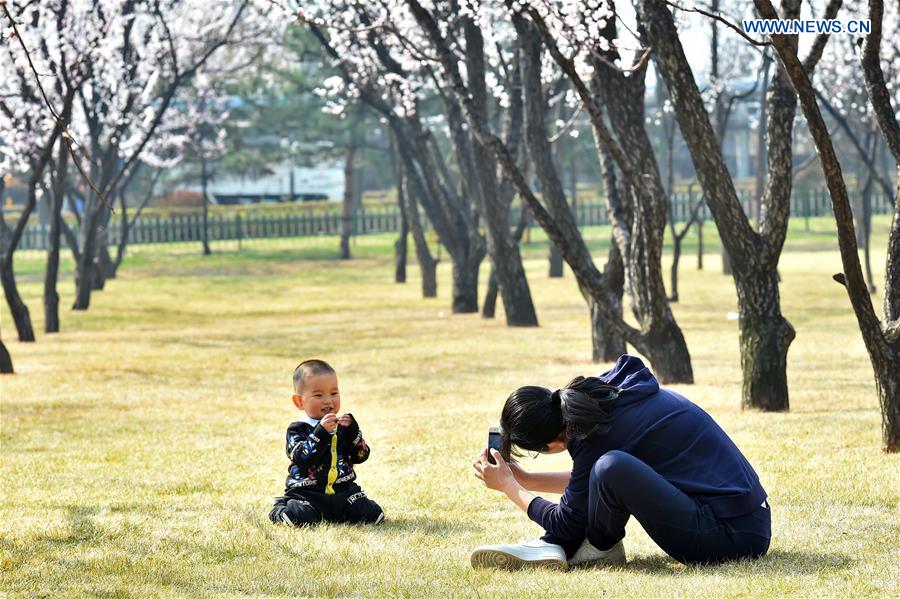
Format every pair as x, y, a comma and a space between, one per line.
6, 365
667, 350
347, 212
764, 340
753, 255
427, 264
881, 338
205, 176
104, 261
17, 307
400, 250
700, 244
465, 286
401, 244
51, 297
607, 345
87, 266
727, 269
887, 384
481, 166
489, 307
556, 263
676, 257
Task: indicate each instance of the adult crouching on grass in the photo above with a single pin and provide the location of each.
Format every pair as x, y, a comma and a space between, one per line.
637, 450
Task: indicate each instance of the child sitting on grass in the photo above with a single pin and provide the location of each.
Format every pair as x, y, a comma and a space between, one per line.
322, 447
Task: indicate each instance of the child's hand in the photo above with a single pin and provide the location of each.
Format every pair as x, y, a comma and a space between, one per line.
345, 420
329, 422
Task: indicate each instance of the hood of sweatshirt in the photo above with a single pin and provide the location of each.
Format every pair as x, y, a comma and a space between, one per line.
634, 380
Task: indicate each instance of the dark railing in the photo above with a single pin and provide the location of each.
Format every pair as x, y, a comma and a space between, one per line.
181, 228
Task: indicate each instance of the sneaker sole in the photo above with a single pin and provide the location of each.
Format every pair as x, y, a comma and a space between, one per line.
491, 558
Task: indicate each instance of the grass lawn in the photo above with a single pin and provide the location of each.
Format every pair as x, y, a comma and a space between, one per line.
142, 445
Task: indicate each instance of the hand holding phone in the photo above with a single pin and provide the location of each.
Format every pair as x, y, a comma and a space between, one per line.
494, 442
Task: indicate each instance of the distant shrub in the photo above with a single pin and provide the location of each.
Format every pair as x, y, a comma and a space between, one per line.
183, 198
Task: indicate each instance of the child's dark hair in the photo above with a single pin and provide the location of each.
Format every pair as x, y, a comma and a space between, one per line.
309, 368
533, 417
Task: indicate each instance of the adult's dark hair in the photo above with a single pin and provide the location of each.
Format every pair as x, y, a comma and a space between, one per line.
309, 368
533, 417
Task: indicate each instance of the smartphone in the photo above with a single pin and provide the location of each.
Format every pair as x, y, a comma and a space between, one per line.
493, 442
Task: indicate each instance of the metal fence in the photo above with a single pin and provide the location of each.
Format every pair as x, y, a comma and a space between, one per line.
181, 228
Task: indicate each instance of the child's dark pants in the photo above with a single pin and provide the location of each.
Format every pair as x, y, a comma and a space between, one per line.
348, 505
622, 485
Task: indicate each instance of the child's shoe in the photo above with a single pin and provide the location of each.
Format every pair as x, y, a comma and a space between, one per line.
588, 555
533, 552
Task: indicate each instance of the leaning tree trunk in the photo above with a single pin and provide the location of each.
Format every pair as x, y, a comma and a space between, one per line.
17, 307
881, 338
6, 365
474, 158
753, 255
20, 314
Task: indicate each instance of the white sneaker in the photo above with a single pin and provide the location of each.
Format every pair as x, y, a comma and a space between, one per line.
588, 555
533, 552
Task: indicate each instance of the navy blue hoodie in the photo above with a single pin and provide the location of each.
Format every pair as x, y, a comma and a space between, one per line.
668, 433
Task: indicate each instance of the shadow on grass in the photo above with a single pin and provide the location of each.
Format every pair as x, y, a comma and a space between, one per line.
391, 526
777, 560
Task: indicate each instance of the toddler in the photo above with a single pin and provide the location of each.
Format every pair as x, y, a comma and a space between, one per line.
323, 446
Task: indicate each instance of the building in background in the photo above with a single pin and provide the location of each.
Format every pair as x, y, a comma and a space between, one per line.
285, 183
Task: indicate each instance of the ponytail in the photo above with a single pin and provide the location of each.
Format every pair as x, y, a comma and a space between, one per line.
586, 405
534, 417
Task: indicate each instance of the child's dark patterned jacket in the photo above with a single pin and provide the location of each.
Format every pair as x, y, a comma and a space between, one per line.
311, 450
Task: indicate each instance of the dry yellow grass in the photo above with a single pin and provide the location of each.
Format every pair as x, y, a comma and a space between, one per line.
142, 445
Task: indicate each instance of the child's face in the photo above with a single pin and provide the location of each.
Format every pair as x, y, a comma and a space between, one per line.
319, 396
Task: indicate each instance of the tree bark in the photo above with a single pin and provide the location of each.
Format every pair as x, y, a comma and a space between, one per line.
347, 212
6, 365
881, 338
753, 256
607, 344
764, 340
18, 309
489, 306
555, 263
427, 264
700, 244
641, 247
57, 196
503, 251
204, 174
401, 243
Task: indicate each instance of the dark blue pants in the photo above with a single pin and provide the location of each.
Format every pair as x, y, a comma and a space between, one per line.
622, 485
